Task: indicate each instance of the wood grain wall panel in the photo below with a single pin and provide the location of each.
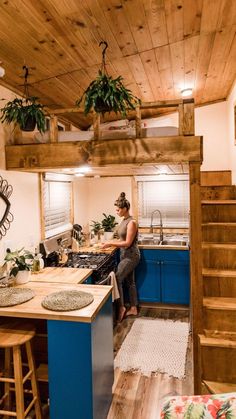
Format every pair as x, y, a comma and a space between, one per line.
114, 12
190, 60
122, 67
148, 59
138, 71
135, 14
155, 14
99, 20
192, 17
210, 15
174, 20
219, 287
164, 64
206, 42
221, 48
227, 15
229, 73
177, 62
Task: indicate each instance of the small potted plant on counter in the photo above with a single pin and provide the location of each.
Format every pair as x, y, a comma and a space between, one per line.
96, 229
108, 225
21, 264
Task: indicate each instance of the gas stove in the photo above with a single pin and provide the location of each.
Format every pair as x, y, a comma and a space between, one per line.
86, 260
101, 263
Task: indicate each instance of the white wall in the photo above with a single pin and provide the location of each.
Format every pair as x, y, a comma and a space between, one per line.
211, 122
25, 228
231, 103
95, 196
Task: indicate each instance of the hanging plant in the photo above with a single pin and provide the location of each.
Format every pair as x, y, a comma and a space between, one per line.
105, 94
26, 112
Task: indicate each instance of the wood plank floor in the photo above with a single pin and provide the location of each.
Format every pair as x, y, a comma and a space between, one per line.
139, 397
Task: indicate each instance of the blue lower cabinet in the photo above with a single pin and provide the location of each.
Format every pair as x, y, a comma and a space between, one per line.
80, 367
163, 276
174, 282
148, 280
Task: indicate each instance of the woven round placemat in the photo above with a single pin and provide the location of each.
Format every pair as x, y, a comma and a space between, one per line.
67, 300
13, 296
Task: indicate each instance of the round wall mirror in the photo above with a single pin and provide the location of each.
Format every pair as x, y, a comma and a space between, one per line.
5, 215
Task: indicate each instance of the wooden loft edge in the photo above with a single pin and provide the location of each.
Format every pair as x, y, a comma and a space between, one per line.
104, 152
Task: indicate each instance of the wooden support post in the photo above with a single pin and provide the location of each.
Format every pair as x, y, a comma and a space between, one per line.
188, 117
196, 267
138, 122
96, 125
53, 129
181, 118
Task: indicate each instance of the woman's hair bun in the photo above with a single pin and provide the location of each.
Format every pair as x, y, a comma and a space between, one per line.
122, 202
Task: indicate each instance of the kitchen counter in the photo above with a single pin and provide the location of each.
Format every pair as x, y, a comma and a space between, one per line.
33, 309
61, 275
96, 249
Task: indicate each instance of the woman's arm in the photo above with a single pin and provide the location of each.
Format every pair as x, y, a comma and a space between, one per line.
130, 236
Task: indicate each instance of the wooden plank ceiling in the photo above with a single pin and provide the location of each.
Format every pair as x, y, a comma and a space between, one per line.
159, 46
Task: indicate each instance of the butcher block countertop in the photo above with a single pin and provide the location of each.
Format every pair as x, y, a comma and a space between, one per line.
61, 275
97, 249
33, 310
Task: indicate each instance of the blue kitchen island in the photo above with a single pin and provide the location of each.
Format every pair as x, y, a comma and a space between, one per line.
80, 350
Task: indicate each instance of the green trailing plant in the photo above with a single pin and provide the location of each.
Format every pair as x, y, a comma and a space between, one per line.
105, 94
21, 111
96, 227
21, 260
108, 222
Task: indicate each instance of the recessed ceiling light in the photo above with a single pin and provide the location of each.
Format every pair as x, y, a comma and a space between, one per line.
79, 174
187, 92
83, 169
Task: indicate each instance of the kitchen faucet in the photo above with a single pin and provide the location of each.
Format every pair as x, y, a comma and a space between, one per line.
157, 225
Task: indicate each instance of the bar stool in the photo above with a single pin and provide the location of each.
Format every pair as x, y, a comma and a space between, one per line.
12, 338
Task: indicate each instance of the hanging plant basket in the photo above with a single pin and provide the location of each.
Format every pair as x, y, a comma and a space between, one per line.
105, 94
26, 112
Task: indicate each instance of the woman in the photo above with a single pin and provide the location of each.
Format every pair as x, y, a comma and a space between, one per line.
129, 256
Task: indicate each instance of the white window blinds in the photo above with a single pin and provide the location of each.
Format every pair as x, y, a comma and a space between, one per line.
171, 197
57, 198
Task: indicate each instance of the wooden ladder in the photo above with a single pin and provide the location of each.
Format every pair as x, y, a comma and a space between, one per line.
217, 343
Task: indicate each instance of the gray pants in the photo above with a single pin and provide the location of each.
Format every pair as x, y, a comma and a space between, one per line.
129, 259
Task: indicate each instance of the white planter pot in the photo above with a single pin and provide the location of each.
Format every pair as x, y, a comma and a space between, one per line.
22, 277
108, 235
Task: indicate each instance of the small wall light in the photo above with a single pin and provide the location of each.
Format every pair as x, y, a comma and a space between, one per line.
186, 92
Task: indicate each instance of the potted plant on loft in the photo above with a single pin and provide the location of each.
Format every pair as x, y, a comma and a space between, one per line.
25, 112
108, 225
105, 94
21, 264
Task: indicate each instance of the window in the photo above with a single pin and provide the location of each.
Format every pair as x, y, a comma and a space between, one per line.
169, 194
57, 203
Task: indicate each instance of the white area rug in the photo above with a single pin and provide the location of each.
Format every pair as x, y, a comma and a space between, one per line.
155, 345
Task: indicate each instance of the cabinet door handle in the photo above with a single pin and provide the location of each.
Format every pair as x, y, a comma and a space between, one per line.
162, 263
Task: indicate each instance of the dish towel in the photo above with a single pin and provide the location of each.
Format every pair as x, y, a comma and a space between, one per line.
112, 281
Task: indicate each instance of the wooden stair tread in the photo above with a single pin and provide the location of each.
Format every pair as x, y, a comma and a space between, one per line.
219, 272
219, 303
218, 388
217, 342
219, 224
42, 373
219, 201
211, 245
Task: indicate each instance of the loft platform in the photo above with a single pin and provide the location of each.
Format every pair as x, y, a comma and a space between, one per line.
100, 152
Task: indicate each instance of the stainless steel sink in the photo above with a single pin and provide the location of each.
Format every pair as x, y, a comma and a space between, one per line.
149, 241
174, 243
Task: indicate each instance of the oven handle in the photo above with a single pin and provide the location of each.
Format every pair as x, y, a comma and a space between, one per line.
103, 281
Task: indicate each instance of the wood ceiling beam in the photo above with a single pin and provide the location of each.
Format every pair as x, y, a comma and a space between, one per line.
102, 153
